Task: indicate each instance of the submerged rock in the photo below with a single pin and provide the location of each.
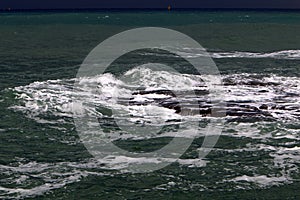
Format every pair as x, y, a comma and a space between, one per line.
263, 107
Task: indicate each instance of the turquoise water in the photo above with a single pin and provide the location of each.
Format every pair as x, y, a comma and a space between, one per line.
256, 157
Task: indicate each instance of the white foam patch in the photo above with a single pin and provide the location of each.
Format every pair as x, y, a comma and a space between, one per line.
285, 165
59, 175
123, 162
261, 180
287, 54
54, 176
263, 130
55, 97
155, 80
284, 54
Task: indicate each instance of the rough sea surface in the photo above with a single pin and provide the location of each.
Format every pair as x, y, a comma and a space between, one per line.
256, 157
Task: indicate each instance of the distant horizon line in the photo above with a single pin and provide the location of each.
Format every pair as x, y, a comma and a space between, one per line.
146, 9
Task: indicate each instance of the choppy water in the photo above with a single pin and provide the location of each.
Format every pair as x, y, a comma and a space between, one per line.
257, 155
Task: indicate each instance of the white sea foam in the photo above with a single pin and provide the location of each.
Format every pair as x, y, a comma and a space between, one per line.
59, 175
54, 176
280, 94
55, 96
284, 54
261, 180
287, 54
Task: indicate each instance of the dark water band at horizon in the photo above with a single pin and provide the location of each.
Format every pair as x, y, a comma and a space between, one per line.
282, 13
151, 9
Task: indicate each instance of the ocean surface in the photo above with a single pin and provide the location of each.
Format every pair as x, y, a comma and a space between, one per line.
257, 155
